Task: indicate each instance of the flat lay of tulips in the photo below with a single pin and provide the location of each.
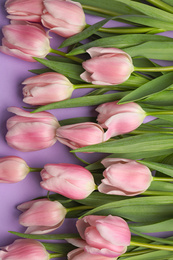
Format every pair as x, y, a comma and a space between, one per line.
122, 202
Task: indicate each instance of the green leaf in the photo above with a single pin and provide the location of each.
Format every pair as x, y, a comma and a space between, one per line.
67, 69
160, 99
164, 168
154, 86
77, 120
161, 186
144, 143
152, 50
46, 237
158, 254
163, 226
149, 10
168, 2
82, 101
149, 21
84, 34
120, 41
61, 248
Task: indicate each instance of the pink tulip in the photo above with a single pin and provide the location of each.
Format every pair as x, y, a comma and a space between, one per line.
124, 177
31, 132
104, 235
79, 135
70, 180
26, 10
46, 88
119, 119
63, 17
12, 169
41, 216
25, 41
80, 254
28, 249
107, 66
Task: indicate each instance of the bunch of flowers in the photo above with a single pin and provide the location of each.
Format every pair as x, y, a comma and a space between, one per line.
128, 193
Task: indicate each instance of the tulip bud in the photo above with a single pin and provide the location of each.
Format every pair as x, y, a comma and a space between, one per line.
25, 41
104, 235
31, 132
46, 88
80, 135
70, 180
12, 169
25, 10
124, 177
119, 119
80, 254
63, 17
41, 216
28, 249
107, 66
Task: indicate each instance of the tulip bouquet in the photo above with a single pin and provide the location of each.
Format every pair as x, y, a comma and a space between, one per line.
127, 194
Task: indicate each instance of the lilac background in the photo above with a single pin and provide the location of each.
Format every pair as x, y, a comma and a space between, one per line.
12, 72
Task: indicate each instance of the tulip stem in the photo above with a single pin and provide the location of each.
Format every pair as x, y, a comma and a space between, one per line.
152, 246
79, 208
35, 169
96, 86
154, 69
157, 193
138, 252
61, 53
99, 10
152, 113
161, 5
126, 30
162, 179
54, 255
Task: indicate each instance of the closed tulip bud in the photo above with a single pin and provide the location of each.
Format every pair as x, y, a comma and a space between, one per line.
119, 119
107, 66
31, 132
25, 41
63, 17
28, 249
80, 135
46, 88
26, 10
107, 236
124, 177
70, 180
12, 169
80, 254
41, 216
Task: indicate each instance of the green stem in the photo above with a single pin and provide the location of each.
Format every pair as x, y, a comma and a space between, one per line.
35, 169
99, 10
162, 179
126, 30
61, 53
152, 246
139, 252
79, 208
161, 5
54, 255
157, 193
154, 69
96, 86
153, 113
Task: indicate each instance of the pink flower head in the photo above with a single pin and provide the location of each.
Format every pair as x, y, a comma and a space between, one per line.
80, 254
63, 17
31, 132
119, 119
46, 88
104, 235
28, 249
41, 216
107, 66
124, 177
80, 135
25, 10
70, 180
25, 41
12, 169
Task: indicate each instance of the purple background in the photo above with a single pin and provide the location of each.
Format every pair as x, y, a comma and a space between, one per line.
12, 72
